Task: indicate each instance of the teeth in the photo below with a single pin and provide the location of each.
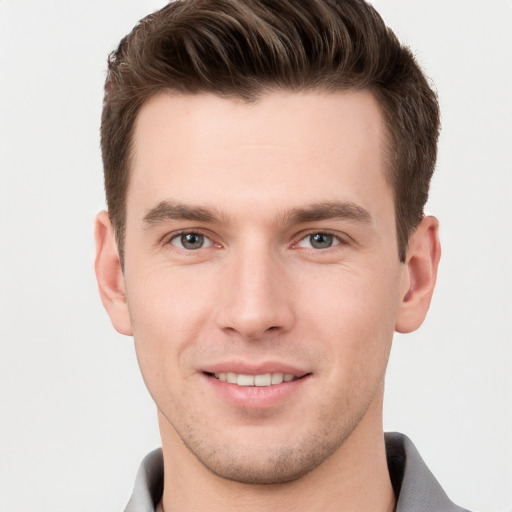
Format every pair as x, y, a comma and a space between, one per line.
266, 379
245, 380
263, 380
231, 377
277, 378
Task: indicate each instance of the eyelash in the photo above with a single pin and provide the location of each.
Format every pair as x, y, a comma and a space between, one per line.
176, 235
340, 241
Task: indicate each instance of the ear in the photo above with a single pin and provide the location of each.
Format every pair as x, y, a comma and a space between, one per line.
109, 274
422, 261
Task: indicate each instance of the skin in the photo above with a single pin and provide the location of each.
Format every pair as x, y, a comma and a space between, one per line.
253, 183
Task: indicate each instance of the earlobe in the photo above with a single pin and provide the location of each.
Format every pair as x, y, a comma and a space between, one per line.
423, 255
109, 274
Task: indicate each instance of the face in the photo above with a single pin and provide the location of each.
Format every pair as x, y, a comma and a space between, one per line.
262, 275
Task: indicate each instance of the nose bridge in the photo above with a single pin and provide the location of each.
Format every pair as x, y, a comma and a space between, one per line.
255, 298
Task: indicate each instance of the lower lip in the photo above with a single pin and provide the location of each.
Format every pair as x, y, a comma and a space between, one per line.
256, 397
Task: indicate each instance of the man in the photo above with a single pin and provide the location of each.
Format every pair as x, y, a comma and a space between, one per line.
266, 168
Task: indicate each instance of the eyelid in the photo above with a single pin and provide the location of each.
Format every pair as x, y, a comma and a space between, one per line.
341, 239
168, 238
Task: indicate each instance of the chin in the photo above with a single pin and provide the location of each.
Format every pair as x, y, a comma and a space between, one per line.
271, 467
265, 461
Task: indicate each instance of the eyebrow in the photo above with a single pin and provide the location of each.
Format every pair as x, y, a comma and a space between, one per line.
331, 210
167, 210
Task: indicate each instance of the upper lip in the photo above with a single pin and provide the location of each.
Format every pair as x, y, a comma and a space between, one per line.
254, 368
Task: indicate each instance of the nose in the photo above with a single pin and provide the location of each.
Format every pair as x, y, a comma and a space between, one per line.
256, 298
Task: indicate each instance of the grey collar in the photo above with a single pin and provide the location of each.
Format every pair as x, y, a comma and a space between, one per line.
415, 486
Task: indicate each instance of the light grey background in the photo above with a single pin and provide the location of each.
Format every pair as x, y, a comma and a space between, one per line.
75, 418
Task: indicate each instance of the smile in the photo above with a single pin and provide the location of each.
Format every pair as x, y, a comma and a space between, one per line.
265, 379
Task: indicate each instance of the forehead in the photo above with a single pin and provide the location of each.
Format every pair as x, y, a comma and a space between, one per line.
284, 149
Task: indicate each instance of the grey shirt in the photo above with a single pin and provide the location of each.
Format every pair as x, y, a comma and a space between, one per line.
415, 486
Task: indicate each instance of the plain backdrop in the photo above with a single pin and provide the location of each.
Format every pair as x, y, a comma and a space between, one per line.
75, 417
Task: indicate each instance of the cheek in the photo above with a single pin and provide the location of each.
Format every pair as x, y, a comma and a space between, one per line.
167, 314
168, 302
355, 316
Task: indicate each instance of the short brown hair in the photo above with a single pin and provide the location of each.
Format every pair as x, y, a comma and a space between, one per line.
244, 48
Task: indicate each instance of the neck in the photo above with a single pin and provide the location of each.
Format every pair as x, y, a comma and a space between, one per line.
354, 478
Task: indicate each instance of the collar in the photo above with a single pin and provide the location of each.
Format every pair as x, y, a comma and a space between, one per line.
416, 488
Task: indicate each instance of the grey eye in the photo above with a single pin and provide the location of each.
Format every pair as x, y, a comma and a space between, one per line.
321, 240
191, 241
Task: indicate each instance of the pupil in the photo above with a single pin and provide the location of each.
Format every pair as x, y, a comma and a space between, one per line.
192, 241
321, 240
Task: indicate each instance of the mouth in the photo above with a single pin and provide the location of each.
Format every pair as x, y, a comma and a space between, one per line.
261, 380
256, 387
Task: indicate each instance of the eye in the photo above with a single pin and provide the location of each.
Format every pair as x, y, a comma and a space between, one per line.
319, 241
190, 241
